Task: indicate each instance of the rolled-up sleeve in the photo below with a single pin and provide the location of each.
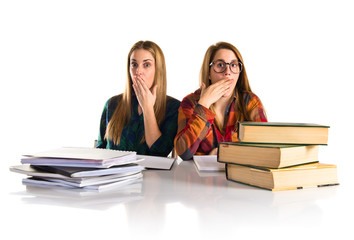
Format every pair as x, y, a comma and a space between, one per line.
194, 122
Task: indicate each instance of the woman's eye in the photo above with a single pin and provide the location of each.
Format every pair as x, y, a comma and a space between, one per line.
147, 65
133, 65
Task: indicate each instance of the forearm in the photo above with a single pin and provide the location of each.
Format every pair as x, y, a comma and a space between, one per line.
193, 131
152, 131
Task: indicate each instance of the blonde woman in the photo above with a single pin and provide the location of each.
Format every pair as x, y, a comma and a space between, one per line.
210, 114
143, 118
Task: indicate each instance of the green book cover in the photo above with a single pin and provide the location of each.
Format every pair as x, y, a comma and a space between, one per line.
282, 124
263, 145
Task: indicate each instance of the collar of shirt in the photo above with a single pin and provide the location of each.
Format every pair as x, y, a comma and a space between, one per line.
228, 108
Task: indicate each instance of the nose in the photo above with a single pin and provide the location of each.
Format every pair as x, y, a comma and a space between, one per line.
138, 71
227, 70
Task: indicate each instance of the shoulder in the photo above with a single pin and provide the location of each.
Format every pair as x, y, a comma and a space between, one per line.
191, 99
249, 97
113, 101
172, 102
252, 100
172, 105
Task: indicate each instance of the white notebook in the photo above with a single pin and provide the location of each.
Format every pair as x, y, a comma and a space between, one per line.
80, 157
154, 162
81, 153
208, 163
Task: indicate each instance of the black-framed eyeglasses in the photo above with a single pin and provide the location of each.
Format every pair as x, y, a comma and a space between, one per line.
219, 66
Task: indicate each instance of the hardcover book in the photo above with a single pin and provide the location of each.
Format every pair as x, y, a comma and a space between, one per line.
267, 155
283, 133
303, 176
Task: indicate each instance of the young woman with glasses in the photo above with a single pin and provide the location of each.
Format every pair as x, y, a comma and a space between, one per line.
210, 114
143, 118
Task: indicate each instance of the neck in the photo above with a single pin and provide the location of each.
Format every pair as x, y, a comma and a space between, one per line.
223, 102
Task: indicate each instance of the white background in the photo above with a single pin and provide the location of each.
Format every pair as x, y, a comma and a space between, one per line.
61, 60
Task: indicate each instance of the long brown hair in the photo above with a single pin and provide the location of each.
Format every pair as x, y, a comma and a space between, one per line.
123, 111
242, 82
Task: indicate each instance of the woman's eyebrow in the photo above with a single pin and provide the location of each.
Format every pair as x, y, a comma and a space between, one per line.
233, 60
145, 60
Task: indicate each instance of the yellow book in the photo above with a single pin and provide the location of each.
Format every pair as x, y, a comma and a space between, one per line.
297, 177
267, 155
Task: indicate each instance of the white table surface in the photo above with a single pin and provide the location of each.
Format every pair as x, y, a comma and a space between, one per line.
177, 204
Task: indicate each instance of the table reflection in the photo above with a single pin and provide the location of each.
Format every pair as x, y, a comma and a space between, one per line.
214, 200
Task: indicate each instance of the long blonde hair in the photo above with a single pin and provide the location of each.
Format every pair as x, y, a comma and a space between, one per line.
123, 111
242, 82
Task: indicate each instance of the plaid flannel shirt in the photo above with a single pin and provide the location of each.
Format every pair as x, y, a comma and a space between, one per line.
197, 133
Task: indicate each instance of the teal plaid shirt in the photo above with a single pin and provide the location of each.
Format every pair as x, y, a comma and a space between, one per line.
133, 132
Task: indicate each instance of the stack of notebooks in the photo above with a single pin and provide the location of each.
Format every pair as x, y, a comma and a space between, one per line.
84, 168
278, 156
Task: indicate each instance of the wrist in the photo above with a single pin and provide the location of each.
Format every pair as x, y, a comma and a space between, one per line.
148, 108
204, 103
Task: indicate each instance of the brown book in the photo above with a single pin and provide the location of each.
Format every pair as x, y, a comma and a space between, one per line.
267, 155
302, 176
283, 133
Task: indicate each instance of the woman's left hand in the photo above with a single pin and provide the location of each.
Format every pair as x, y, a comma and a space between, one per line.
146, 98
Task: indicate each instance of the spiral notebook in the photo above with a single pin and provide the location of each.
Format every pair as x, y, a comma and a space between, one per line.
80, 157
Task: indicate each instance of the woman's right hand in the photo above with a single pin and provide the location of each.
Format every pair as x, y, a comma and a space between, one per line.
146, 98
214, 92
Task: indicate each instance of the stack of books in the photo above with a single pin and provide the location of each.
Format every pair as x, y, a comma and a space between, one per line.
83, 168
278, 156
